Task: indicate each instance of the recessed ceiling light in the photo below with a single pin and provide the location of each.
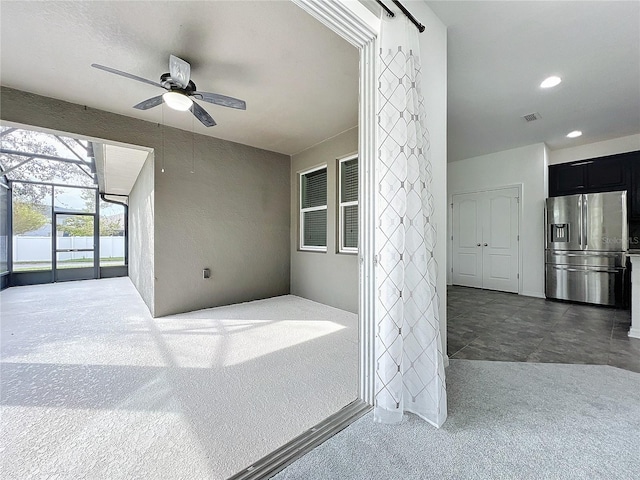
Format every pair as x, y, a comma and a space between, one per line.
550, 82
574, 134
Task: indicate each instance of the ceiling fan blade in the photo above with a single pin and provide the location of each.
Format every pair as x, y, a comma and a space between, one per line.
149, 103
125, 74
202, 115
221, 100
180, 70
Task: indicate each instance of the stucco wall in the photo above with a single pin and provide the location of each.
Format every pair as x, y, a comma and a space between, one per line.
141, 233
326, 277
231, 215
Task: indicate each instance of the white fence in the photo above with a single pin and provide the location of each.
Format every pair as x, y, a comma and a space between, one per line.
38, 249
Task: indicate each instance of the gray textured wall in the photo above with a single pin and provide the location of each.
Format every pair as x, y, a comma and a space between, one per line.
330, 278
141, 233
232, 215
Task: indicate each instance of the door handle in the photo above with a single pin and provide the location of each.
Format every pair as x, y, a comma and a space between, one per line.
585, 222
580, 220
586, 270
478, 245
486, 244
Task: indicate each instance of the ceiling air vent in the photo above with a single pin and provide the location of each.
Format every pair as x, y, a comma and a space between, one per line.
530, 117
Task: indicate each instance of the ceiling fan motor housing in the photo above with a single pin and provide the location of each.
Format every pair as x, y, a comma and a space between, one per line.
167, 82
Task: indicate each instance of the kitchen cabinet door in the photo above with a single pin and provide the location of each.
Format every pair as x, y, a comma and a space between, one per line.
567, 179
607, 174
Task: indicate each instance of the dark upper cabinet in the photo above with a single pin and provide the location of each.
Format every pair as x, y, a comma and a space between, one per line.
608, 174
567, 178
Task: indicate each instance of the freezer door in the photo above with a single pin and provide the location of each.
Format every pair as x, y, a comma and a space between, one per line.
605, 222
579, 258
564, 222
602, 286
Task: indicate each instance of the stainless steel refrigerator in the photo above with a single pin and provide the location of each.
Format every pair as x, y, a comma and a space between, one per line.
586, 247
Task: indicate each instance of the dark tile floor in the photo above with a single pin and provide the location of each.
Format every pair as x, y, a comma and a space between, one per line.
488, 325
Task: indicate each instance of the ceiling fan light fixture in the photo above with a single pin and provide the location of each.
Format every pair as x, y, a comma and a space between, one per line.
177, 101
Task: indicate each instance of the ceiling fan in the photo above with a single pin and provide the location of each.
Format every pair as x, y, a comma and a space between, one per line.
180, 91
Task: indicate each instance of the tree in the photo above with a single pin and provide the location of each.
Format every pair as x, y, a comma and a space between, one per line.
37, 169
82, 226
110, 227
27, 218
77, 226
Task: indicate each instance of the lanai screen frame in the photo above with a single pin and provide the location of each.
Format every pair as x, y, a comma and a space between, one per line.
11, 278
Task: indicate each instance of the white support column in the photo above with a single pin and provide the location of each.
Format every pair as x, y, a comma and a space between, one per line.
634, 332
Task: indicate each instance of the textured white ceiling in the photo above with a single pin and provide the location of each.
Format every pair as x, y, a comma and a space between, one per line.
299, 79
497, 55
499, 52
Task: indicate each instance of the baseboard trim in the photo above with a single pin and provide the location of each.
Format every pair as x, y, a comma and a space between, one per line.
634, 332
533, 294
279, 459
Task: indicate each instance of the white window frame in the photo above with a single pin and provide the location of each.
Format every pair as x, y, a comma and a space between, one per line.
342, 205
302, 211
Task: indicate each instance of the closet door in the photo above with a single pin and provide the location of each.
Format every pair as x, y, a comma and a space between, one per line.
467, 240
500, 240
486, 240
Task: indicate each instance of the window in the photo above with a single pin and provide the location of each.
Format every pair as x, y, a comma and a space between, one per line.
313, 209
348, 216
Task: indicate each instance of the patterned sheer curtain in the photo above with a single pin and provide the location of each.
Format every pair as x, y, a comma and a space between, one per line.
409, 361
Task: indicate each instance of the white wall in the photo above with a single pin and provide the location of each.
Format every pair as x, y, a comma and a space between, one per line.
327, 277
525, 166
630, 143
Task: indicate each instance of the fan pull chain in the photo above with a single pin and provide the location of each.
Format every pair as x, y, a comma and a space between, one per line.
162, 133
193, 161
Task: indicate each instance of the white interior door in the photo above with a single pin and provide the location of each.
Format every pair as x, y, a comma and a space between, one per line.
467, 237
486, 240
500, 240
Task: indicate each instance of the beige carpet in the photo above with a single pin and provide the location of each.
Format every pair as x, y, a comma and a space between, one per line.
93, 387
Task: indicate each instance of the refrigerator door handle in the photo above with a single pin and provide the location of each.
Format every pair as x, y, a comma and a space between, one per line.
580, 219
585, 270
585, 222
582, 255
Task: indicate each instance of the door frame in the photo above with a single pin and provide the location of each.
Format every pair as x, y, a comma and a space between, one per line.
520, 188
95, 274
358, 26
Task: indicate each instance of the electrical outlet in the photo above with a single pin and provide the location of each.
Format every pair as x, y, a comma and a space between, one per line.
206, 273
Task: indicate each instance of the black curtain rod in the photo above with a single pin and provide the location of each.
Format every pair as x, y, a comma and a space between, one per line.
418, 25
